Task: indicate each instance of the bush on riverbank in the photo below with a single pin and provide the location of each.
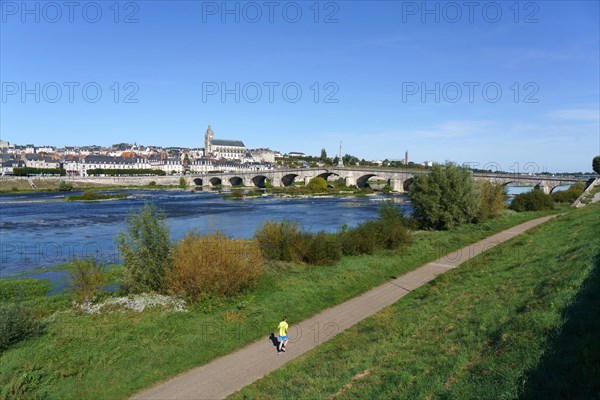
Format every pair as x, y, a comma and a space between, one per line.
16, 324
214, 265
569, 195
389, 231
492, 200
536, 200
64, 187
320, 248
146, 251
284, 241
445, 198
317, 184
279, 240
87, 277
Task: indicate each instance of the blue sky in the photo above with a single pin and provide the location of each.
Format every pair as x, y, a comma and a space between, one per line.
388, 76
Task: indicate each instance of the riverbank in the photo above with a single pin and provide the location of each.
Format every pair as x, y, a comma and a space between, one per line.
115, 355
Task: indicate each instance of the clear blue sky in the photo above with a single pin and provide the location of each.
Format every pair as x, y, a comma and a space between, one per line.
375, 61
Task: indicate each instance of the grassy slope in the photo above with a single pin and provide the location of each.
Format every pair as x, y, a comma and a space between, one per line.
479, 331
115, 355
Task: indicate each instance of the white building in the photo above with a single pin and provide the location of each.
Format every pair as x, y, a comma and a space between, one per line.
38, 161
263, 155
171, 166
106, 162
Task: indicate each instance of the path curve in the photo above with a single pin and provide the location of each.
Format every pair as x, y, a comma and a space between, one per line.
228, 374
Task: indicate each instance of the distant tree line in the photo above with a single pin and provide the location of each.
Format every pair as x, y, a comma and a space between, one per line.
135, 171
348, 159
26, 171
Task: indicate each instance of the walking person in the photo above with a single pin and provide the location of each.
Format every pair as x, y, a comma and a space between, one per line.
283, 336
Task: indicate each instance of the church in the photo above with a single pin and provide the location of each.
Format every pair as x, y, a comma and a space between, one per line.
218, 148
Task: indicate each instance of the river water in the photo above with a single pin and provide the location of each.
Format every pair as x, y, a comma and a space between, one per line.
39, 230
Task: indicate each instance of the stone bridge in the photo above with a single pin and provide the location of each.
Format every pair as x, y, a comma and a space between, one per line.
399, 180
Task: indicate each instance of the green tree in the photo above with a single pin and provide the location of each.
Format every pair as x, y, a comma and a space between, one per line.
86, 278
492, 200
596, 164
445, 198
146, 251
536, 200
317, 184
182, 182
323, 157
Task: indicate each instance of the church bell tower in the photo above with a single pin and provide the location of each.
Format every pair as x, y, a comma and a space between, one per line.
208, 138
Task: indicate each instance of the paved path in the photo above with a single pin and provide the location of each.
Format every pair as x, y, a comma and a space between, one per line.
230, 373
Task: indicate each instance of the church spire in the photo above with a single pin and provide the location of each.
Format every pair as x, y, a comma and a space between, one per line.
208, 138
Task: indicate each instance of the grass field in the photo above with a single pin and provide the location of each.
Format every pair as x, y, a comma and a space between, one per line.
114, 355
520, 321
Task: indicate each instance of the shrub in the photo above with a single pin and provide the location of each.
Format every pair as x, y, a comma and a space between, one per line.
64, 186
320, 248
596, 164
90, 195
279, 240
387, 189
214, 265
492, 200
152, 183
146, 251
86, 278
569, 195
445, 198
22, 289
393, 227
536, 200
16, 325
317, 184
235, 194
389, 231
182, 182
360, 240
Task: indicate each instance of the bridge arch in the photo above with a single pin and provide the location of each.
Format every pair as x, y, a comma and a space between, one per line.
260, 181
236, 181
288, 180
198, 181
406, 184
215, 181
326, 175
363, 181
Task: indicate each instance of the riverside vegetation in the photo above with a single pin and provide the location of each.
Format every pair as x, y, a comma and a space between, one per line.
229, 287
520, 321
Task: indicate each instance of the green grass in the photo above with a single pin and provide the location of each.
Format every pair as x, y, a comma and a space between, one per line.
22, 289
115, 355
522, 320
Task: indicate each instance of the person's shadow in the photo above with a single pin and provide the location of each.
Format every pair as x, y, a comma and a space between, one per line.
274, 340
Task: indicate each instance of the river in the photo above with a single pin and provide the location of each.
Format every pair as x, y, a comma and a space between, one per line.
39, 230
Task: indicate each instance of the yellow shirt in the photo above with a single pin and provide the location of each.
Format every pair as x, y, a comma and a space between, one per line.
282, 328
